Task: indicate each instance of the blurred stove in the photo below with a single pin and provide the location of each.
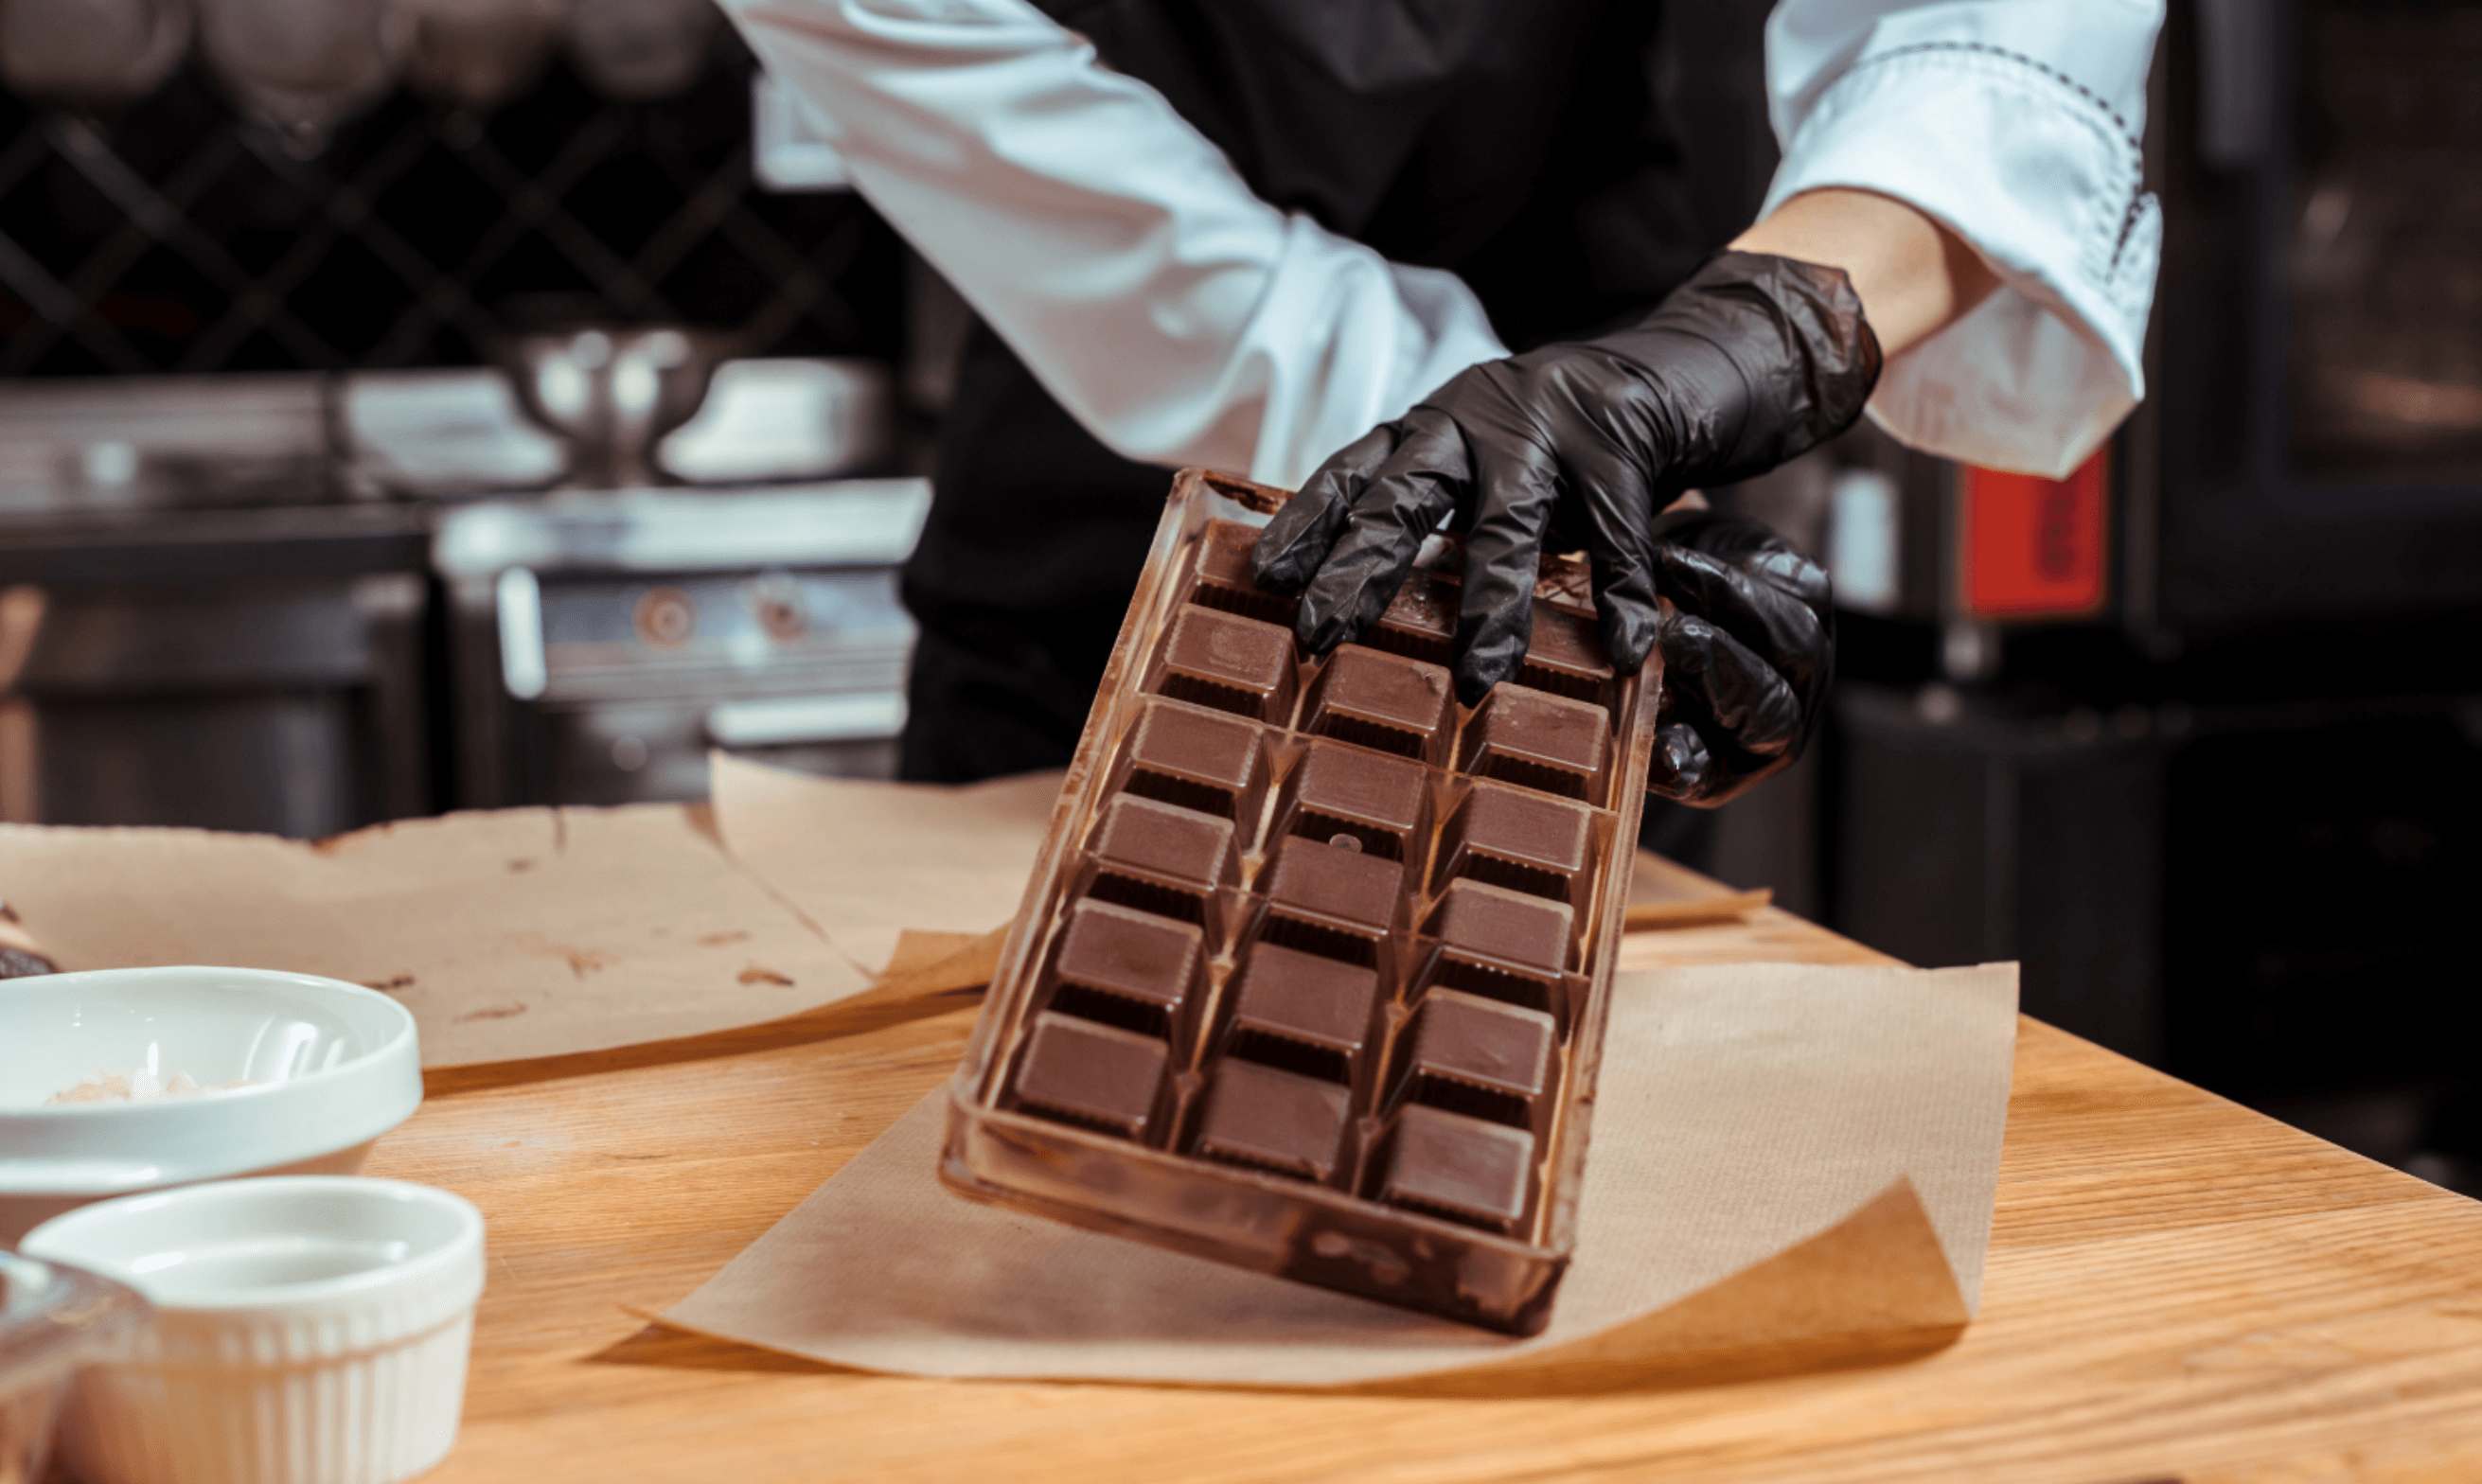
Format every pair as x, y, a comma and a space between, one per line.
601, 642
198, 625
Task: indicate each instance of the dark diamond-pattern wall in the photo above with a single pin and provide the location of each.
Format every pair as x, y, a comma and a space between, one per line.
175, 237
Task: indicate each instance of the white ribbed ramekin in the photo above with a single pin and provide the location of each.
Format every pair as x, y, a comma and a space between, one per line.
310, 1330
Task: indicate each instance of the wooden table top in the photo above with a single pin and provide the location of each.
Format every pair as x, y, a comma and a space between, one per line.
2178, 1288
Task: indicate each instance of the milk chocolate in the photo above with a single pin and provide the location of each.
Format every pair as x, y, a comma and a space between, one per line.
1340, 795
1161, 859
1231, 664
1127, 968
1420, 622
1098, 1077
1331, 901
1382, 701
1500, 944
1537, 741
1317, 939
1518, 838
1275, 1120
1565, 658
1199, 761
1224, 581
1466, 1168
1478, 1057
1303, 1013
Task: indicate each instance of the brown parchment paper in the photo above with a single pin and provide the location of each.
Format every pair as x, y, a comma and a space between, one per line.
510, 935
867, 860
1788, 1158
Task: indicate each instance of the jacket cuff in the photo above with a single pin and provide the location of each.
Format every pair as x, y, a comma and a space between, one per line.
2044, 179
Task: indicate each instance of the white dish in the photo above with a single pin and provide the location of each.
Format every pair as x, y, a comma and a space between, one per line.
309, 1330
330, 1067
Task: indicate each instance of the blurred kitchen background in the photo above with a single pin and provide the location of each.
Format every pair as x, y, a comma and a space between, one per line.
409, 404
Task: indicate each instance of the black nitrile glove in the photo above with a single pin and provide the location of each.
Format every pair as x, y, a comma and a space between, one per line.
1749, 647
1753, 361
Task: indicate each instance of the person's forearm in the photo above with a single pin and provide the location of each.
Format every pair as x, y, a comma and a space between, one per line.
1181, 319
1913, 275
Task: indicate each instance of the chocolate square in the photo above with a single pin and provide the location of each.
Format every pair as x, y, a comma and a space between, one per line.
1231, 664
1479, 1057
1537, 741
1518, 838
1125, 967
1333, 902
1199, 761
1303, 1013
1098, 1077
1465, 1169
1160, 859
1224, 580
1343, 796
1500, 944
1382, 701
1274, 1120
1420, 622
1565, 658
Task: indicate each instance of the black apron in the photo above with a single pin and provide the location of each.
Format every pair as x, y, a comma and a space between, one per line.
1517, 142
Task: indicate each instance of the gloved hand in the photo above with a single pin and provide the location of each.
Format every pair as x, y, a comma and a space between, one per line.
1749, 649
1753, 361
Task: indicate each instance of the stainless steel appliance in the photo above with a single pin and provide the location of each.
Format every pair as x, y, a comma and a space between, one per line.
2312, 452
603, 640
203, 631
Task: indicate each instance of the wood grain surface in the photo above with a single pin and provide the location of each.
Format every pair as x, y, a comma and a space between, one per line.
2178, 1288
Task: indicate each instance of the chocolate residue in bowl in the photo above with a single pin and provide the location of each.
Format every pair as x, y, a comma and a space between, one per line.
139, 1086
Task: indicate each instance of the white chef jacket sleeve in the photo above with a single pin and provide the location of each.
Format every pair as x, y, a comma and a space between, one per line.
1175, 315
2017, 124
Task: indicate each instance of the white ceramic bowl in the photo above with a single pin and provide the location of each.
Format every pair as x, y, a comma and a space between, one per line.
310, 1329
332, 1067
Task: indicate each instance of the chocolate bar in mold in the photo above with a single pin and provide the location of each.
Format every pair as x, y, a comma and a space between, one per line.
1362, 801
1160, 858
1224, 580
1498, 943
1537, 740
1420, 621
1134, 970
1201, 760
1092, 1075
1331, 901
1480, 1057
1466, 1168
1303, 1013
1228, 663
1564, 653
1269, 1119
1383, 701
1339, 1022
1519, 839
1565, 657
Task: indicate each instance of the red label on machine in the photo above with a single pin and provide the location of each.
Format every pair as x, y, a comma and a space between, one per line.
2035, 547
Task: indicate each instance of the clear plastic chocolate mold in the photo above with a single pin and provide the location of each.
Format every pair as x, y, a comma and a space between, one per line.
1311, 973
